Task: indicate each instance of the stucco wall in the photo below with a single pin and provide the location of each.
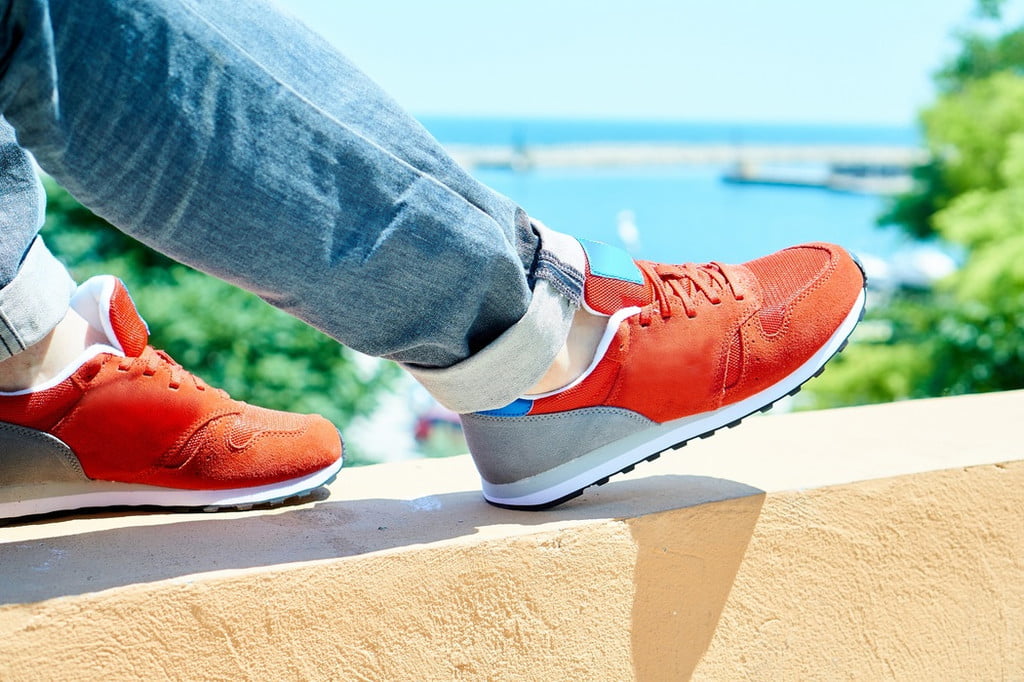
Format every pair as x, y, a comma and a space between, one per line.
785, 558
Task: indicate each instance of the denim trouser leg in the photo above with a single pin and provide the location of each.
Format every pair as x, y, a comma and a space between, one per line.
34, 287
235, 140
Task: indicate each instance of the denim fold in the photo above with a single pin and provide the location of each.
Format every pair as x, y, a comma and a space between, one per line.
34, 301
516, 360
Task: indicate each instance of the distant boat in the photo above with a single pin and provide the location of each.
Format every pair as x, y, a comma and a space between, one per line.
870, 179
857, 178
629, 233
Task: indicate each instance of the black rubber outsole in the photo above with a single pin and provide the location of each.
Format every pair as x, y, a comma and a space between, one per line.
682, 443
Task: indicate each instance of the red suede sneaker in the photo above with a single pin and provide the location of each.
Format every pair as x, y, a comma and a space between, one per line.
127, 426
688, 349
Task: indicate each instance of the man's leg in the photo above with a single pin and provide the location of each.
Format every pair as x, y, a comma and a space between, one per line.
244, 146
235, 140
90, 416
239, 143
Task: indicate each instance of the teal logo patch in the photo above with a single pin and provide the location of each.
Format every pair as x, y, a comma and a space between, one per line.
609, 261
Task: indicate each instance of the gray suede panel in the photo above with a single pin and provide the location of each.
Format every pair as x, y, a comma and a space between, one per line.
28, 456
509, 449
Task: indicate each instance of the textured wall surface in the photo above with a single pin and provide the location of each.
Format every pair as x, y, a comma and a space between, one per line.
869, 543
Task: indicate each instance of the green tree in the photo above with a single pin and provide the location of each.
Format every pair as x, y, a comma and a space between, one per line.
967, 335
229, 337
987, 48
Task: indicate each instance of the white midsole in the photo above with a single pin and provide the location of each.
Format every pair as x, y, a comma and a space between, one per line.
524, 493
89, 494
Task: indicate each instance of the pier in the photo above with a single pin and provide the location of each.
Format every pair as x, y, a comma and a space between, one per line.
647, 154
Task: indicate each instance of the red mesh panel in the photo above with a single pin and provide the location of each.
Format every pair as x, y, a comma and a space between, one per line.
783, 276
607, 295
131, 331
256, 420
734, 362
772, 319
40, 410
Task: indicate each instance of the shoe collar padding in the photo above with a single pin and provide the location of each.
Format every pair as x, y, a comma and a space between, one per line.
105, 304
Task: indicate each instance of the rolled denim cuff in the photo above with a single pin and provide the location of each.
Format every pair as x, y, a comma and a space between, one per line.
506, 368
33, 302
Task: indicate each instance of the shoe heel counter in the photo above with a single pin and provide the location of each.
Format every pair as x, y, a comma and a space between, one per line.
28, 457
510, 449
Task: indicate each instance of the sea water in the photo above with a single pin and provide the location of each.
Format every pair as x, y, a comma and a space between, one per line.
685, 212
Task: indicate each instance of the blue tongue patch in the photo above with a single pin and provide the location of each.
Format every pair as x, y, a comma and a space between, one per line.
612, 262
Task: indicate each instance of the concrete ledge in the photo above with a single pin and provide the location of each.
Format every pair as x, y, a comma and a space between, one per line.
882, 542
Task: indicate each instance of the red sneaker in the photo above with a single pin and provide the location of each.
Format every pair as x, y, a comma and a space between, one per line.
688, 349
127, 426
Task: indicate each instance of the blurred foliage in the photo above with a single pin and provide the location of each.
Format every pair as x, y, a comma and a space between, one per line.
965, 335
913, 211
987, 48
981, 56
229, 337
990, 9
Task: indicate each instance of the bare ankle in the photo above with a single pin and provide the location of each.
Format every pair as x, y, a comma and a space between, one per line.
46, 359
576, 355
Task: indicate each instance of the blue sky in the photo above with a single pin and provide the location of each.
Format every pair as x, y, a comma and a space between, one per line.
827, 61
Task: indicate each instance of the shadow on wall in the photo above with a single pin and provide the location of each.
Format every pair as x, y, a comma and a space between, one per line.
705, 548
687, 561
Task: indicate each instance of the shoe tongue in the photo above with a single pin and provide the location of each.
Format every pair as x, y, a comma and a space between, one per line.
613, 280
105, 303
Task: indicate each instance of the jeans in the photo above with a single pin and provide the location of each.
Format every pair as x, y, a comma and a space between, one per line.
230, 137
